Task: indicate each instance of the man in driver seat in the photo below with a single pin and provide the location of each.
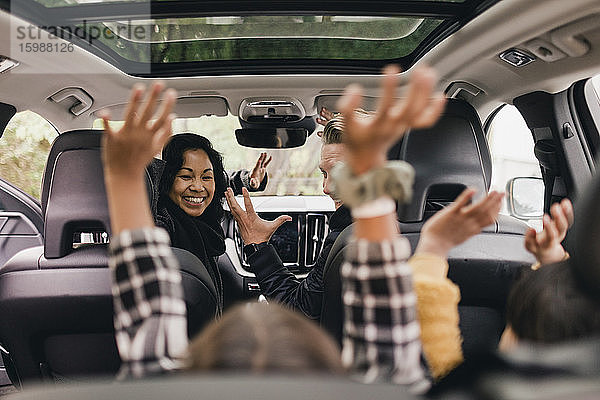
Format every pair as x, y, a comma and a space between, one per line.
276, 281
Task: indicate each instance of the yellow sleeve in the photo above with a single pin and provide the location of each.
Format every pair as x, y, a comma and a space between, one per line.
437, 310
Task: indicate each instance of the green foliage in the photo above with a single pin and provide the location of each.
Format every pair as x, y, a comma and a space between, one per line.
260, 37
24, 148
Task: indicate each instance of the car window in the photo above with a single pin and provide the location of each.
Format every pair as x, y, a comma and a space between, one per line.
511, 146
24, 148
291, 172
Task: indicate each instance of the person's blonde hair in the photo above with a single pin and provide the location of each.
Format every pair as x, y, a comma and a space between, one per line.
258, 337
333, 133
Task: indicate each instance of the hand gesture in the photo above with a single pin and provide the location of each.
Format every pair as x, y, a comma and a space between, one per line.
324, 116
253, 229
259, 171
128, 150
546, 245
368, 139
458, 222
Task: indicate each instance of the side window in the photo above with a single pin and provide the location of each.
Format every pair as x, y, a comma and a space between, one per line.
24, 148
511, 145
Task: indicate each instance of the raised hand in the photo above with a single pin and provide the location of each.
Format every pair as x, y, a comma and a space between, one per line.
368, 139
324, 116
129, 149
458, 222
260, 170
546, 245
253, 228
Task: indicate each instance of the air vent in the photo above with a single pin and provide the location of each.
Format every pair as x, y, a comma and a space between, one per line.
316, 229
239, 246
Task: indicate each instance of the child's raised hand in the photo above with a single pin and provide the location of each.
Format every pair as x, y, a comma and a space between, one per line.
458, 222
130, 149
546, 245
368, 139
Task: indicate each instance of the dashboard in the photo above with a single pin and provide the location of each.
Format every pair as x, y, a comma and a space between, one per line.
298, 242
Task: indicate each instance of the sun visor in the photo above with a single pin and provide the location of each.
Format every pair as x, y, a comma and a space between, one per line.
186, 107
7, 111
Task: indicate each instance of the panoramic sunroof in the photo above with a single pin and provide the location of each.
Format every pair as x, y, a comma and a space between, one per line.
178, 40
185, 37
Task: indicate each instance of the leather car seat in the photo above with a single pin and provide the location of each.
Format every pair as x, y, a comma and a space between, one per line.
449, 157
55, 299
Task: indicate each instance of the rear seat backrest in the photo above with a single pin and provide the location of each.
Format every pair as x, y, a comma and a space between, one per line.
76, 200
56, 300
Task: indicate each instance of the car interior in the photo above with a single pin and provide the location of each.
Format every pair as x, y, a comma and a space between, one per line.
55, 297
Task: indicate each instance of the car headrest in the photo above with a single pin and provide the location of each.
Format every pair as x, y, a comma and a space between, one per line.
448, 157
73, 192
72, 140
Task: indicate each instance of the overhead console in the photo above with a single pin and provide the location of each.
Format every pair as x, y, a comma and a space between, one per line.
273, 123
271, 110
570, 40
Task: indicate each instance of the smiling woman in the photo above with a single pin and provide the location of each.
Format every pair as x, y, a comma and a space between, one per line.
194, 186
193, 177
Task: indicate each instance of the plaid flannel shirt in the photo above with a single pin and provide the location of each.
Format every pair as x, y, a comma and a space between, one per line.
149, 310
381, 332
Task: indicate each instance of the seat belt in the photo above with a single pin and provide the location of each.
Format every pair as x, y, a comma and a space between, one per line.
545, 152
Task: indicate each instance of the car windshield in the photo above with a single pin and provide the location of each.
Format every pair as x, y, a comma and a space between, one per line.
292, 171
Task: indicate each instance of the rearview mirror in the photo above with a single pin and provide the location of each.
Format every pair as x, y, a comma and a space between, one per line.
271, 138
525, 197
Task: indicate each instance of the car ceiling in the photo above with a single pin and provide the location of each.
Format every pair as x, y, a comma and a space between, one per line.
470, 55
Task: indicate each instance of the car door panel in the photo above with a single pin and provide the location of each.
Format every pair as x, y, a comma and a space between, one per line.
17, 232
21, 223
